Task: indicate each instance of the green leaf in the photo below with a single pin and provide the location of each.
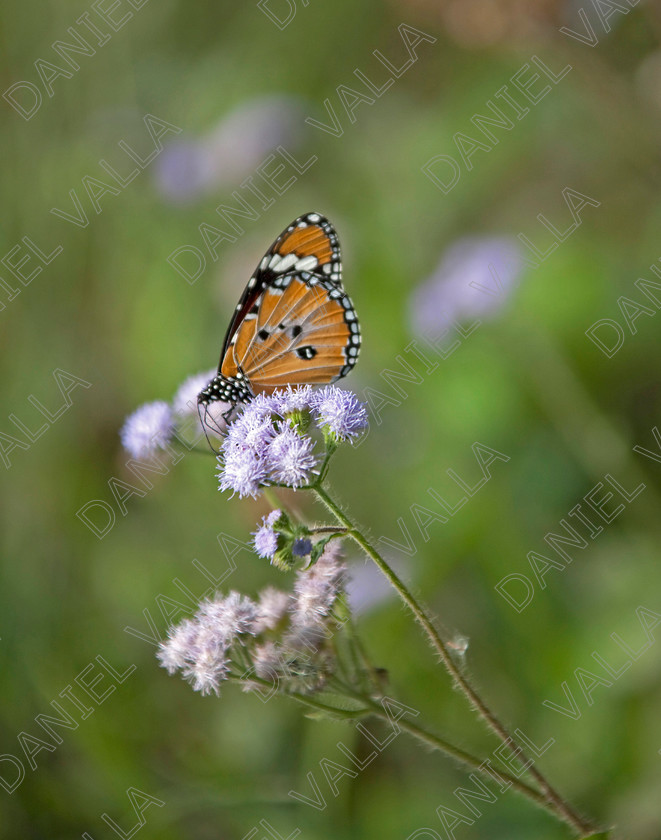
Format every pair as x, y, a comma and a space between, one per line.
339, 707
318, 548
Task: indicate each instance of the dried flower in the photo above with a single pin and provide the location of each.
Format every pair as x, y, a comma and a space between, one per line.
317, 588
200, 647
272, 607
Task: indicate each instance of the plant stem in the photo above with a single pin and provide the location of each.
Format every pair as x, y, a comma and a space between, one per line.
428, 738
329, 529
552, 800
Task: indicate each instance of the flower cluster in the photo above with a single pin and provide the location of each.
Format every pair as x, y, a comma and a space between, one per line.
267, 444
152, 426
282, 638
282, 542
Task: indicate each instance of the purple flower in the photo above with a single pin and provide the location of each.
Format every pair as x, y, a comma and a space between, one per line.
182, 170
266, 539
367, 587
185, 400
473, 280
290, 458
251, 432
293, 399
149, 428
340, 412
263, 447
242, 471
188, 168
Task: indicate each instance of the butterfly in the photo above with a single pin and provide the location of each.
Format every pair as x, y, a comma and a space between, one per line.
294, 323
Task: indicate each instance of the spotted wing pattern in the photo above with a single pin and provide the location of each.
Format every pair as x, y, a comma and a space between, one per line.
294, 324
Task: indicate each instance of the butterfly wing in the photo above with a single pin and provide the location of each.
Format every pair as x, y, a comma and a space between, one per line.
308, 243
294, 323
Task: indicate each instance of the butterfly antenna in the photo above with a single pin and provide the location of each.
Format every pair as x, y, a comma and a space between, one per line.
204, 425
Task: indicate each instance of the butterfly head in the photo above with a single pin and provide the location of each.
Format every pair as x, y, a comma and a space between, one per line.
218, 401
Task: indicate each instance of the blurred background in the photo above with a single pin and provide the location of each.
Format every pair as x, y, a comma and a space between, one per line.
111, 319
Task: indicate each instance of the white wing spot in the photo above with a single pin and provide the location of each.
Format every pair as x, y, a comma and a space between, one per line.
284, 263
306, 263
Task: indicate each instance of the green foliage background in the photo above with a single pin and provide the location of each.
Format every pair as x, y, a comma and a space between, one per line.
111, 310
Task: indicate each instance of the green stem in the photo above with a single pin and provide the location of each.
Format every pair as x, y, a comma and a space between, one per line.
329, 529
430, 739
552, 800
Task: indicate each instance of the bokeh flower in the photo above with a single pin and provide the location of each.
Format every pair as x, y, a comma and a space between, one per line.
473, 280
189, 168
148, 429
185, 400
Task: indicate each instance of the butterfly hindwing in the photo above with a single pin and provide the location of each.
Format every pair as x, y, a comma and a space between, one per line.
305, 331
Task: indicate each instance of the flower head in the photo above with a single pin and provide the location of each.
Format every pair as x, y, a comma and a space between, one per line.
242, 471
293, 400
228, 617
266, 538
149, 428
290, 458
340, 412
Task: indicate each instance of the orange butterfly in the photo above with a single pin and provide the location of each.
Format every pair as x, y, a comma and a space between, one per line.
294, 323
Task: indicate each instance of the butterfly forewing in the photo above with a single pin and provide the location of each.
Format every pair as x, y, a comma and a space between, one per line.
309, 243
